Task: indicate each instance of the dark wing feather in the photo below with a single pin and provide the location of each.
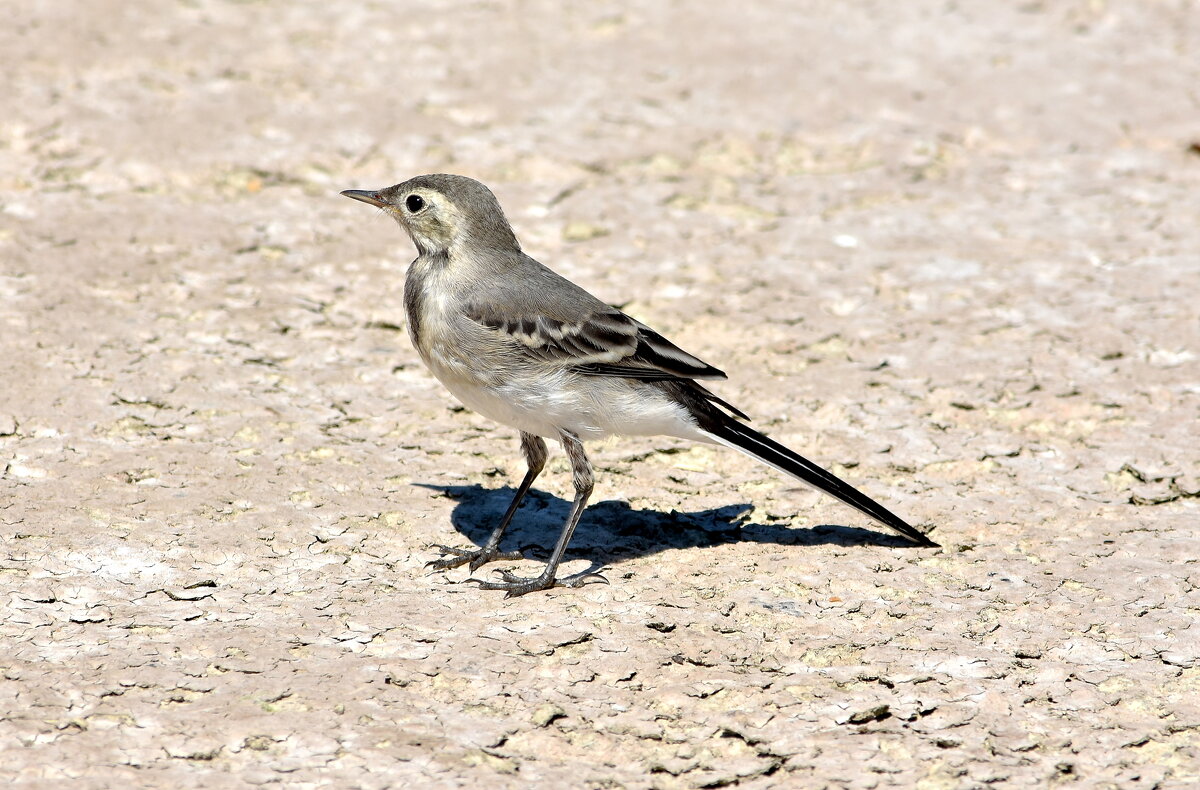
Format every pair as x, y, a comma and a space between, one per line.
597, 338
603, 343
657, 352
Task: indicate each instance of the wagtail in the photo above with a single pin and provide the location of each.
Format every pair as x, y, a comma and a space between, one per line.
526, 347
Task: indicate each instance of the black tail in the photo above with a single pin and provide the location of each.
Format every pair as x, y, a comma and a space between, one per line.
754, 444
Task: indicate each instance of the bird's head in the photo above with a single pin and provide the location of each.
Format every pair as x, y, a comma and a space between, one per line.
442, 212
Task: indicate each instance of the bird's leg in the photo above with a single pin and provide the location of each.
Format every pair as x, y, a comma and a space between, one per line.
582, 479
534, 449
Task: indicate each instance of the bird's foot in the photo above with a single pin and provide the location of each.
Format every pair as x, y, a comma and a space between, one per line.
517, 585
475, 558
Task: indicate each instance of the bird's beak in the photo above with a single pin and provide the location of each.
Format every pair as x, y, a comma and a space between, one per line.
365, 196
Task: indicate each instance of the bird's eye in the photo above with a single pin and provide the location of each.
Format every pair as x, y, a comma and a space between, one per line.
414, 203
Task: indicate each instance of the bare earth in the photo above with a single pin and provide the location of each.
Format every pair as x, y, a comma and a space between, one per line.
949, 250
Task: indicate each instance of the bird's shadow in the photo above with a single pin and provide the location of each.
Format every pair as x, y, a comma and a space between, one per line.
612, 531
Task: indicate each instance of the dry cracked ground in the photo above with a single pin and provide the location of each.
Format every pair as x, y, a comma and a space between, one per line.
949, 250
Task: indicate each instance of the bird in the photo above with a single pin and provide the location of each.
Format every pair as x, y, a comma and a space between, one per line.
522, 345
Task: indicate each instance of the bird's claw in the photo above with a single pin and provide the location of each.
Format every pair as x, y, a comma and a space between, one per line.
475, 558
514, 585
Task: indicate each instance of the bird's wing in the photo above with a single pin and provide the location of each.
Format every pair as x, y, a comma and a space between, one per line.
600, 342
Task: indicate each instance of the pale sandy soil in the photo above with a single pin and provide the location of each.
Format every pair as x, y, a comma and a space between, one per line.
950, 250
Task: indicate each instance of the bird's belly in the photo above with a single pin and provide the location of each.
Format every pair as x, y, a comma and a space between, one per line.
545, 403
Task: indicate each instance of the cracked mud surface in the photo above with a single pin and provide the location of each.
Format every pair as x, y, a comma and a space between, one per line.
950, 253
